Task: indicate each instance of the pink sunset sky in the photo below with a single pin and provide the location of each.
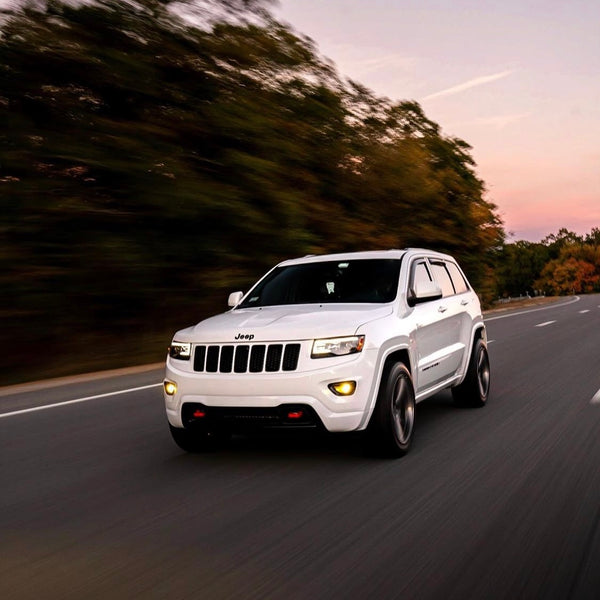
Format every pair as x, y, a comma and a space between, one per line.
519, 80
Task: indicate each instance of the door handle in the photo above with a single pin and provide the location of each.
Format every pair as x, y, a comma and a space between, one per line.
442, 309
464, 302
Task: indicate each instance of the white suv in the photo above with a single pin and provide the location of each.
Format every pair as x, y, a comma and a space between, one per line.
345, 342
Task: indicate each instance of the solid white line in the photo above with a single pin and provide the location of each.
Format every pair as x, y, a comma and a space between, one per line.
36, 386
524, 312
544, 324
78, 400
581, 312
596, 398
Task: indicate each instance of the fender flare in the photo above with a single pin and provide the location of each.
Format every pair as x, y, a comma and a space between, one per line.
384, 354
478, 331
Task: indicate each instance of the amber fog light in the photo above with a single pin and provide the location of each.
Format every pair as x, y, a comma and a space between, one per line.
170, 388
343, 388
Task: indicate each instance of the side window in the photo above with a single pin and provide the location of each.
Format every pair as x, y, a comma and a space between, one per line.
420, 273
443, 278
460, 285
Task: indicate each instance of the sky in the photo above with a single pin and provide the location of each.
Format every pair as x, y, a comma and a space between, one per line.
519, 80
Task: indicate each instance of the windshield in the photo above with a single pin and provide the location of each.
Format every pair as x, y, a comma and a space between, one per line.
371, 280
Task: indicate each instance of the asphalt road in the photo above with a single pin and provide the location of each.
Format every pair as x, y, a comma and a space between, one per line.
501, 502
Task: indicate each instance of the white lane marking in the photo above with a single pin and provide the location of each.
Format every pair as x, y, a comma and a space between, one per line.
596, 398
545, 323
582, 312
524, 312
491, 341
77, 400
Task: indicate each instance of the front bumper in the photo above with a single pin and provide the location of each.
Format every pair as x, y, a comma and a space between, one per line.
307, 386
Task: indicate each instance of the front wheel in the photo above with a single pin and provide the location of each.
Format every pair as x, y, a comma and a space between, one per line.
392, 423
475, 388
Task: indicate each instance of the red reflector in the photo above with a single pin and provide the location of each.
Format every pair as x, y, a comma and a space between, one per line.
295, 414
199, 414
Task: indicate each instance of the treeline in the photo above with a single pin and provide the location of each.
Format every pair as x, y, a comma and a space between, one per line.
156, 155
562, 263
150, 164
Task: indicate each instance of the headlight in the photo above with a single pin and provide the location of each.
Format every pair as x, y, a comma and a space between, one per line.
180, 350
338, 346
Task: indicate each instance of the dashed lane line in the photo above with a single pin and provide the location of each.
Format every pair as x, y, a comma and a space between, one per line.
545, 323
77, 400
596, 398
524, 312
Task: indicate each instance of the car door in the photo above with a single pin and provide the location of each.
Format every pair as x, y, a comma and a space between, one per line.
465, 302
453, 335
437, 326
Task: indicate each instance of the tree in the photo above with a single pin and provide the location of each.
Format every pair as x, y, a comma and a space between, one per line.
156, 154
576, 270
569, 276
520, 264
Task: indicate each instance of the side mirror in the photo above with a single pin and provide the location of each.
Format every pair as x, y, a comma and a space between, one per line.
234, 298
424, 291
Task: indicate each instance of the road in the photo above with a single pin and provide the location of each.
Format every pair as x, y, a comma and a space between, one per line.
501, 502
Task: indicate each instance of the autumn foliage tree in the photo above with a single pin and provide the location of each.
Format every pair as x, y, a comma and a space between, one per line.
575, 271
562, 263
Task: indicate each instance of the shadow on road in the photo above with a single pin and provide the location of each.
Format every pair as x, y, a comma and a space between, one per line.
432, 415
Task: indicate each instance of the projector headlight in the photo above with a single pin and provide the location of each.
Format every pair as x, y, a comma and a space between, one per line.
338, 346
180, 350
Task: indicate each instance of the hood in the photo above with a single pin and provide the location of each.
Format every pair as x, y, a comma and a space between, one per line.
281, 323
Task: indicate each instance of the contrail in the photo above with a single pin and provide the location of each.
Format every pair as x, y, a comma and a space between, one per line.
469, 84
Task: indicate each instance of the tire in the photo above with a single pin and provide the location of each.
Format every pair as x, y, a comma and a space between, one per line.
392, 424
196, 441
475, 389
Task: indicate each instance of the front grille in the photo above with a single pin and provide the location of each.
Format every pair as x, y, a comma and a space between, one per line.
244, 358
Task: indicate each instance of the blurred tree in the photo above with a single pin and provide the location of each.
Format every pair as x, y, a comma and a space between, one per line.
408, 185
155, 153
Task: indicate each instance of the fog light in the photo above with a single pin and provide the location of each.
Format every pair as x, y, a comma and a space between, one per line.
170, 388
343, 388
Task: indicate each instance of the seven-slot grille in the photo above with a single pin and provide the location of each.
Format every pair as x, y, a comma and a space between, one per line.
244, 358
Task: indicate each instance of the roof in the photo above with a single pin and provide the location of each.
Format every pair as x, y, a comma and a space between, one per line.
371, 254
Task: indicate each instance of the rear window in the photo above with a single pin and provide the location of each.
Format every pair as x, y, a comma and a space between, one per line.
460, 285
345, 281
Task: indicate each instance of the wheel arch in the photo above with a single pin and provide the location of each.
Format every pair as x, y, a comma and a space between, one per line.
478, 333
400, 355
392, 356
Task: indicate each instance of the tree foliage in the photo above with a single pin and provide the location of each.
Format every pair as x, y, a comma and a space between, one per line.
156, 154
576, 269
562, 263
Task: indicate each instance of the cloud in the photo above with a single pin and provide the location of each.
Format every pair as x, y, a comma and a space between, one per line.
467, 85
